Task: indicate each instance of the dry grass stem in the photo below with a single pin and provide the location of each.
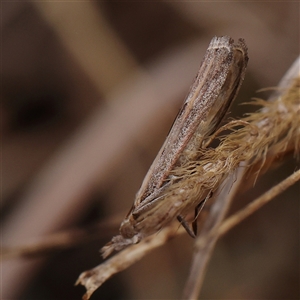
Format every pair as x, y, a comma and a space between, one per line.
94, 278
101, 45
62, 240
214, 218
255, 205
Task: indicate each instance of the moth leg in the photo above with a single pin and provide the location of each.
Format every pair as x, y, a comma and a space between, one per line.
198, 210
193, 232
185, 225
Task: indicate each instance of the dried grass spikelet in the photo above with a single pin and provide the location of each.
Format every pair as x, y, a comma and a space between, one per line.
274, 129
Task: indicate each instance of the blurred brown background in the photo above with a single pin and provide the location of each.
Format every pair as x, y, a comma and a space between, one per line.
89, 92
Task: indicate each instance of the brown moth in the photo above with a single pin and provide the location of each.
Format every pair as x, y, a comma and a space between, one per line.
215, 87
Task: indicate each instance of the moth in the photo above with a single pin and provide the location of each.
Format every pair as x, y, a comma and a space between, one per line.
156, 204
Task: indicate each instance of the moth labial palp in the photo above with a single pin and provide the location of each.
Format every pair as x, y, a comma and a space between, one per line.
161, 198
